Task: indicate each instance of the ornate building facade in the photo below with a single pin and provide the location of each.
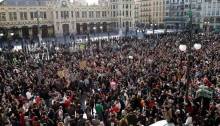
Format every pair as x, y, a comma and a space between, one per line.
210, 15
151, 12
64, 17
177, 13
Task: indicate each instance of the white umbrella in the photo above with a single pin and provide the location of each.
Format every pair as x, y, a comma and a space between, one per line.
162, 123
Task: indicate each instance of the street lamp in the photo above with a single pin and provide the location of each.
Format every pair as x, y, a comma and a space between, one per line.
101, 28
1, 35
153, 27
38, 19
11, 39
197, 46
100, 44
109, 25
12, 34
94, 28
183, 48
206, 26
206, 22
38, 24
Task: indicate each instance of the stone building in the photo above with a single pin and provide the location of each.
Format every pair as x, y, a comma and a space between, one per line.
64, 17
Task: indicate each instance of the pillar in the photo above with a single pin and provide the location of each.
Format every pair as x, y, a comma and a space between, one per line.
72, 27
30, 32
20, 32
58, 29
81, 28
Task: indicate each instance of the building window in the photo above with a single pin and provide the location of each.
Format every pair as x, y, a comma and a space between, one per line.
32, 15
23, 15
64, 14
57, 14
217, 13
104, 14
35, 14
97, 14
114, 7
72, 14
126, 13
12, 16
41, 15
45, 15
77, 14
213, 13
91, 14
2, 16
84, 14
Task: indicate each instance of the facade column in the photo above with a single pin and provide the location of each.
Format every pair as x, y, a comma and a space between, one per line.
71, 27
214, 23
30, 29
88, 28
58, 29
81, 28
49, 29
20, 32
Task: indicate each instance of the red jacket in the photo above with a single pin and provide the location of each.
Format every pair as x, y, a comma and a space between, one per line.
21, 119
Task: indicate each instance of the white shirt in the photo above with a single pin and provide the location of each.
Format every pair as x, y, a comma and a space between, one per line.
189, 121
29, 95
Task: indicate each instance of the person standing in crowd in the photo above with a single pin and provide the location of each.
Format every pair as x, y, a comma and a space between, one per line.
124, 82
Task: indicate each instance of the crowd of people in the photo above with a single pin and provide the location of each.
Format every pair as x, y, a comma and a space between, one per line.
123, 82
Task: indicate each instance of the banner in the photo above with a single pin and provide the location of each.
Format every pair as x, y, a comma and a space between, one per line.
82, 65
82, 46
204, 92
64, 74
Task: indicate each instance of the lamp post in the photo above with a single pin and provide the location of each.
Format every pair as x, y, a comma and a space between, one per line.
100, 44
1, 35
12, 34
153, 27
137, 32
109, 25
38, 24
101, 28
11, 38
206, 23
184, 48
94, 28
